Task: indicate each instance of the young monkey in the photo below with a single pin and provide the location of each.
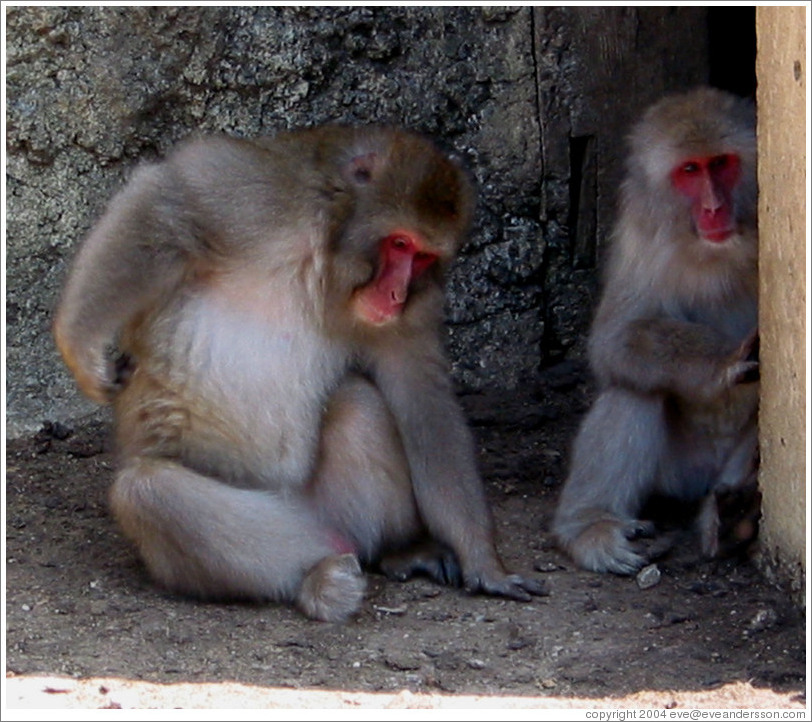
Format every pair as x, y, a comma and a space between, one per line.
673, 344
285, 410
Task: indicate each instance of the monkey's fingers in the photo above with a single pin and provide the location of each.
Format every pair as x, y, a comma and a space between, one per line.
743, 365
743, 372
93, 376
428, 559
536, 587
512, 586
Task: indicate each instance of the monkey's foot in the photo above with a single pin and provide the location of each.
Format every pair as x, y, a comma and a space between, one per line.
332, 589
607, 546
512, 586
427, 558
438, 562
739, 512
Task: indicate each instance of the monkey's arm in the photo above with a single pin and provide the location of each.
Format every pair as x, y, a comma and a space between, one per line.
657, 354
412, 375
126, 262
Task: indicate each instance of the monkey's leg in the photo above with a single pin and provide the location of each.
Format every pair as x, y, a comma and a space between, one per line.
363, 489
737, 478
614, 467
201, 537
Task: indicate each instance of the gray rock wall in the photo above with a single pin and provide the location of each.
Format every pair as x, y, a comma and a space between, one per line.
93, 90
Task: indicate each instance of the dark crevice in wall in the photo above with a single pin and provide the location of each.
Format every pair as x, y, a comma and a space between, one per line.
732, 49
583, 220
539, 112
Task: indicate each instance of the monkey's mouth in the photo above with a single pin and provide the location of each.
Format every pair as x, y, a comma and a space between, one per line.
372, 310
718, 235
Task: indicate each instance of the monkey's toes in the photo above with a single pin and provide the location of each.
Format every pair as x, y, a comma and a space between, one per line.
605, 547
534, 587
511, 586
623, 561
333, 589
639, 529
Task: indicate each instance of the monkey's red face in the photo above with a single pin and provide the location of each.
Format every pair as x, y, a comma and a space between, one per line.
709, 182
402, 258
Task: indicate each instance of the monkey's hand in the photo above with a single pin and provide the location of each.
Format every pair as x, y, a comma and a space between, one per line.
96, 376
743, 365
502, 584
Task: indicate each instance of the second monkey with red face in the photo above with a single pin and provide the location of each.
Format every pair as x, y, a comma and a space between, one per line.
287, 410
673, 344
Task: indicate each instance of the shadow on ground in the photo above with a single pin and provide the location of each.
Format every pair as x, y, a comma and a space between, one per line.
80, 607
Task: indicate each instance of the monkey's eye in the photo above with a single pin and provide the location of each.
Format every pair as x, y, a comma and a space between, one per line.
690, 168
718, 162
401, 243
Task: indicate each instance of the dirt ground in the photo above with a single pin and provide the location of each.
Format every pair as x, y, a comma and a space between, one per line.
87, 629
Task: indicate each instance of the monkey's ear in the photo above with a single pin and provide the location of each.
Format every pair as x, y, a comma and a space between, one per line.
361, 169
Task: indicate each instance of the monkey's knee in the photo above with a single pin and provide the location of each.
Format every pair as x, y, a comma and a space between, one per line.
605, 546
333, 589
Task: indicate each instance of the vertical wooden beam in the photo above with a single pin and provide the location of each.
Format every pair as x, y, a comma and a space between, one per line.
781, 68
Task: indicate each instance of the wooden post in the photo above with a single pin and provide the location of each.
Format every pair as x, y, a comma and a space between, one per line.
781, 69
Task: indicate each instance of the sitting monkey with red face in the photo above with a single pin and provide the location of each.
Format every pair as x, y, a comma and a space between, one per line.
673, 344
285, 410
